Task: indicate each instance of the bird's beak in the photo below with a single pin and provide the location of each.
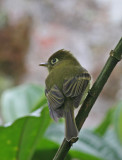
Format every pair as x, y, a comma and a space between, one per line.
44, 64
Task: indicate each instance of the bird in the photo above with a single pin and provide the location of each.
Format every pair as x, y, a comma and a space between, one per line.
65, 86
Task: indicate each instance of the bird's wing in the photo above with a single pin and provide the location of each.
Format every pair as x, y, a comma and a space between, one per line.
74, 87
55, 100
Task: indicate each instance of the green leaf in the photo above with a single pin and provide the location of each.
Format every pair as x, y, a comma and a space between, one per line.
84, 156
20, 101
112, 140
105, 124
54, 131
89, 146
19, 140
41, 102
118, 121
97, 146
47, 146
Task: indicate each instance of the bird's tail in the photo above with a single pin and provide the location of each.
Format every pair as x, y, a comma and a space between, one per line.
71, 130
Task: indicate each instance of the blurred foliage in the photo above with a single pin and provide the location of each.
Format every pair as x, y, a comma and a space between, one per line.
118, 121
5, 83
19, 101
14, 42
3, 20
32, 136
19, 140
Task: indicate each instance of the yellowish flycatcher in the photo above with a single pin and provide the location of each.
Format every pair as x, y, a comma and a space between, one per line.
66, 84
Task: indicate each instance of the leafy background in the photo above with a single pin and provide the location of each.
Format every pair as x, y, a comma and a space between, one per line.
30, 31
31, 134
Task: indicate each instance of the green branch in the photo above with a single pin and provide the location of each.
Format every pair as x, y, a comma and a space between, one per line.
114, 58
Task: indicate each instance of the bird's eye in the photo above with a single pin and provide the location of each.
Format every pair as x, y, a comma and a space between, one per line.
54, 60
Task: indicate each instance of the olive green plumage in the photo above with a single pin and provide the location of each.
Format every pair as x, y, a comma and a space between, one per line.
65, 86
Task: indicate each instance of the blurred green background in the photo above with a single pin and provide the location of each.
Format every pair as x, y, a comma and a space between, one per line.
30, 31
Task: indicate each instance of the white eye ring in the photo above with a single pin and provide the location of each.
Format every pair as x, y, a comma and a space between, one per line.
54, 60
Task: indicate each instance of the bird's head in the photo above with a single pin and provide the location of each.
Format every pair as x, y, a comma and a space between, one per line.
58, 58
